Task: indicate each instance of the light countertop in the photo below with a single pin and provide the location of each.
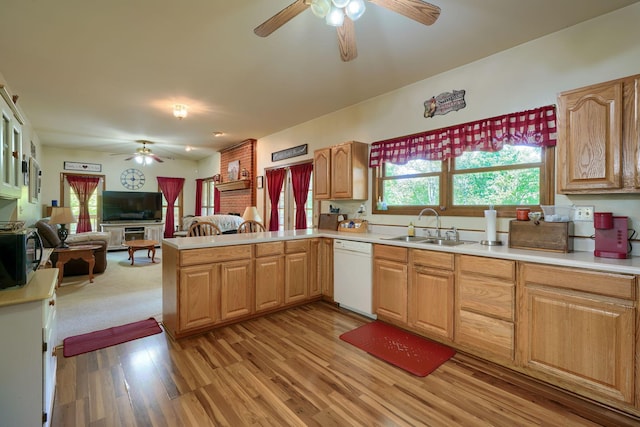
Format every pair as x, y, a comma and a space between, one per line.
576, 259
41, 286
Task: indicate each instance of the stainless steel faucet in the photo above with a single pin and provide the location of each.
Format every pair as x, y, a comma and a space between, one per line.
437, 219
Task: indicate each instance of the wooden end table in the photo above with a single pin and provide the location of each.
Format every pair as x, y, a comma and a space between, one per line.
134, 245
83, 252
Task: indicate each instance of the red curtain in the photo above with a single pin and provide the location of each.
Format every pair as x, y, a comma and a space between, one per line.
216, 200
171, 188
275, 180
300, 180
84, 186
532, 127
198, 210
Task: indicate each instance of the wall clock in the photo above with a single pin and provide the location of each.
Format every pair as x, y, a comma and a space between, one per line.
132, 179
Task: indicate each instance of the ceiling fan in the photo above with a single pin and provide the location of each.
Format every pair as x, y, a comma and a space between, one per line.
143, 155
342, 13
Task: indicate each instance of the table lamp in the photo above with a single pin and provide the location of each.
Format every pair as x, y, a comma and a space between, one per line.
251, 214
62, 216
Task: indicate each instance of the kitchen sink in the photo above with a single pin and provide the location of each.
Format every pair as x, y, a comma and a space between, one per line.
407, 238
445, 242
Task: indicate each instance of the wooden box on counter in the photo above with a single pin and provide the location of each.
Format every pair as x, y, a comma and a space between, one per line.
541, 235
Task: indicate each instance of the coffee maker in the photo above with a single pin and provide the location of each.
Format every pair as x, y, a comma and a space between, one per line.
611, 235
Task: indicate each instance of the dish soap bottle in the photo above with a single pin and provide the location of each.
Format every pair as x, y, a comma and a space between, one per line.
411, 231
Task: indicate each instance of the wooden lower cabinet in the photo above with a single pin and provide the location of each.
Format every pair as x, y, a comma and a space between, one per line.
578, 330
269, 273
296, 271
325, 268
236, 289
431, 291
485, 306
390, 278
198, 297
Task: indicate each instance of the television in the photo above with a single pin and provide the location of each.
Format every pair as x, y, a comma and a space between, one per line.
131, 206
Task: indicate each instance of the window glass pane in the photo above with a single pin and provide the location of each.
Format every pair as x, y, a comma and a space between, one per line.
74, 204
506, 187
509, 155
413, 167
411, 191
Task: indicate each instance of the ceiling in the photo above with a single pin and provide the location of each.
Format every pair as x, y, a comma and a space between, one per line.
99, 75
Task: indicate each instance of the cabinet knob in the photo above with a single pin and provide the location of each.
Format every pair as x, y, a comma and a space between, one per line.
52, 302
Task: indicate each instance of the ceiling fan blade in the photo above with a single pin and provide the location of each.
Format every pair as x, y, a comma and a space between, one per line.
156, 158
281, 18
347, 40
129, 158
418, 10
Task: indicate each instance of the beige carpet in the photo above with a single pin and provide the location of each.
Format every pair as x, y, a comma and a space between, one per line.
124, 293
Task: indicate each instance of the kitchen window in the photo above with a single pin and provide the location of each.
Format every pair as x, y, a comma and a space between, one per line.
513, 177
505, 161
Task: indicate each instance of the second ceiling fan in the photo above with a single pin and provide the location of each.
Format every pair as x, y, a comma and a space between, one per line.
342, 13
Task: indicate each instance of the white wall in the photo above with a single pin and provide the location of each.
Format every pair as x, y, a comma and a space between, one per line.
527, 76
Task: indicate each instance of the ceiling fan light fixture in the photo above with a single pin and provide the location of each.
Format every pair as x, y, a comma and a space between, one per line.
335, 17
355, 9
340, 3
180, 111
320, 8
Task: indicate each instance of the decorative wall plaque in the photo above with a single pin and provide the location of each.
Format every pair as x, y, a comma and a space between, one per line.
87, 167
444, 103
300, 150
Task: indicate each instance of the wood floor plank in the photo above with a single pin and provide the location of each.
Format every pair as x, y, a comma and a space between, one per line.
291, 368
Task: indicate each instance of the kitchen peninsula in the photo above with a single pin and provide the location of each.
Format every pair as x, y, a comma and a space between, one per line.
568, 319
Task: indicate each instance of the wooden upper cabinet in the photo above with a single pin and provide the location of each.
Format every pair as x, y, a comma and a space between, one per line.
341, 172
598, 138
322, 174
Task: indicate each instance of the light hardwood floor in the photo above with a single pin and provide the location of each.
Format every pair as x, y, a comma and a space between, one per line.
291, 369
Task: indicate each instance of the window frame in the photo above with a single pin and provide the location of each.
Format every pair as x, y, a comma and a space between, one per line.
445, 207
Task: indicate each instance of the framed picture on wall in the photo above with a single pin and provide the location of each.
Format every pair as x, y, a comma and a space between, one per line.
259, 182
233, 170
34, 180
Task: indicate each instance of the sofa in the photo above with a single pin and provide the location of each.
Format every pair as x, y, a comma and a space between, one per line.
49, 235
228, 224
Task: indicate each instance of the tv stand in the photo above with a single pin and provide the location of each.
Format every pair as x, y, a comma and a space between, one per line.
125, 231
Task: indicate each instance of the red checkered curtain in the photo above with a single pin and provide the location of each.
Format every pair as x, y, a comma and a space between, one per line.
171, 188
198, 210
532, 127
83, 186
216, 201
300, 180
275, 180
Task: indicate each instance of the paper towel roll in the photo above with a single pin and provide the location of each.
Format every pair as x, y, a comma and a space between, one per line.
490, 217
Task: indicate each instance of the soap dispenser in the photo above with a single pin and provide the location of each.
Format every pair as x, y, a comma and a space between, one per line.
411, 231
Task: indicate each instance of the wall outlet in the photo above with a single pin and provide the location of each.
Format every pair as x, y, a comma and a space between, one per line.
583, 213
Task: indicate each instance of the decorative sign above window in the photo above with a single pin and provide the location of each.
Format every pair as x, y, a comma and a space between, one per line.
300, 150
87, 167
444, 103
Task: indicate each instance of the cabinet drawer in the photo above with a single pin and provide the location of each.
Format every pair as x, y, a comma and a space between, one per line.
292, 246
490, 335
267, 249
609, 284
211, 255
432, 259
394, 253
487, 296
487, 266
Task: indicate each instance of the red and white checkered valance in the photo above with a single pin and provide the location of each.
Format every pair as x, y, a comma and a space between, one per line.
532, 127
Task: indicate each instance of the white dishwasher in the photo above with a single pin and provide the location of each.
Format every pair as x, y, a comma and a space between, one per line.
352, 285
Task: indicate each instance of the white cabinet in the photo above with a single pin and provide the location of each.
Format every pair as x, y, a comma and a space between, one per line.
27, 360
10, 148
122, 232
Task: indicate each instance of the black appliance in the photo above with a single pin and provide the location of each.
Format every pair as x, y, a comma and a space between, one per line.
20, 255
131, 206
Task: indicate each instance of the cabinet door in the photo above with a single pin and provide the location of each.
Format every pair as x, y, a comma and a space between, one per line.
198, 296
314, 268
431, 300
322, 174
116, 237
236, 289
325, 268
296, 277
390, 289
590, 138
341, 176
154, 232
10, 153
269, 282
582, 341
